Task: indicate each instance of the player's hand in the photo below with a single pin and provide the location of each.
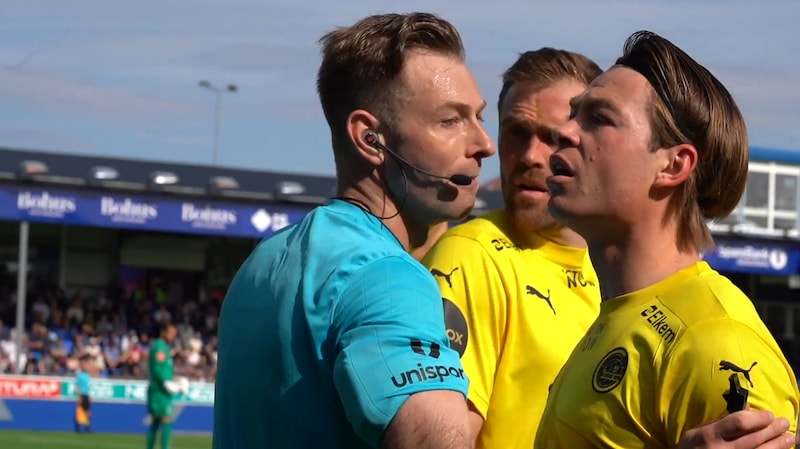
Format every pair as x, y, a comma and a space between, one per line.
183, 385
747, 429
172, 387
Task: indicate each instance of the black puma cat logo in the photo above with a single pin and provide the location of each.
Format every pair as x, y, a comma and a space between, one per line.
533, 291
726, 365
446, 276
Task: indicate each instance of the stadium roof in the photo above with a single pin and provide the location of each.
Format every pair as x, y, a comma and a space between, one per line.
199, 180
190, 180
759, 154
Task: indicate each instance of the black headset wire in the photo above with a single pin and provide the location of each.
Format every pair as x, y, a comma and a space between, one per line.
366, 208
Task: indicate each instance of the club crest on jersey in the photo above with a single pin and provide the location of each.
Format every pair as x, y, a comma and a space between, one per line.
160, 356
610, 371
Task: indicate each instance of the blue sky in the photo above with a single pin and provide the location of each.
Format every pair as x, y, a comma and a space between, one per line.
120, 78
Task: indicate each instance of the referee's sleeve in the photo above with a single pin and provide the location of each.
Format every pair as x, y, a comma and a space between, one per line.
391, 341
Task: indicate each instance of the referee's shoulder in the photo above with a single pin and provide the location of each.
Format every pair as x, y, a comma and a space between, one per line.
383, 257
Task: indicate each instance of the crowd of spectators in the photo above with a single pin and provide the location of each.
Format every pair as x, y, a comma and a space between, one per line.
114, 327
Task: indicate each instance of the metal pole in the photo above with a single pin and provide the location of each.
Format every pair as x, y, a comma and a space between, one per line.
218, 112
218, 91
22, 275
62, 259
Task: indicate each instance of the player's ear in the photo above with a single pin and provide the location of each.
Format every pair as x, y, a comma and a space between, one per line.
675, 165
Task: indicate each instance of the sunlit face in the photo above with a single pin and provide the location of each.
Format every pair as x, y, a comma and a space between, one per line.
170, 334
528, 117
604, 169
441, 131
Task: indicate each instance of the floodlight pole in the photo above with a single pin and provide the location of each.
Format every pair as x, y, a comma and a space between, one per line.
218, 91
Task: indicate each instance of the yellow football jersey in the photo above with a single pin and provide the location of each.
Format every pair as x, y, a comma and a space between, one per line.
514, 314
660, 361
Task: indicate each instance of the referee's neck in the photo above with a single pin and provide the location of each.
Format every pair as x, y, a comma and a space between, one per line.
375, 201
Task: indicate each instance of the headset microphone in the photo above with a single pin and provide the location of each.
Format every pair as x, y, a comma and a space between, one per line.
371, 139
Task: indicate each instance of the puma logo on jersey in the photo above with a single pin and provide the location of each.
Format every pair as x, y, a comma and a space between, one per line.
730, 366
446, 276
531, 290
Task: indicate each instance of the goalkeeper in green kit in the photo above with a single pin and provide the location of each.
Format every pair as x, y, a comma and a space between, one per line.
162, 388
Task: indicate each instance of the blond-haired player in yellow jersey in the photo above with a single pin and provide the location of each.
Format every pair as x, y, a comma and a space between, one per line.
519, 291
518, 288
654, 148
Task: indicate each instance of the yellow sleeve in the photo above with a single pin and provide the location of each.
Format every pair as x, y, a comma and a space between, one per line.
697, 373
475, 309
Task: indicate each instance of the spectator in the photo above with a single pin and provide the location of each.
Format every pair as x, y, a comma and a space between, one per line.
41, 308
59, 353
162, 315
8, 346
38, 347
75, 311
112, 356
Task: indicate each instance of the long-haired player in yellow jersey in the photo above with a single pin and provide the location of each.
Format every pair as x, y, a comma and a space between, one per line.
654, 148
518, 288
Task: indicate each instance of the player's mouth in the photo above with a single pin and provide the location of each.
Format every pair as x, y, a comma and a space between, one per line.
562, 171
532, 188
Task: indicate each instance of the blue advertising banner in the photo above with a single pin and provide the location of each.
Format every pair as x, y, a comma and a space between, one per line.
146, 213
59, 416
747, 256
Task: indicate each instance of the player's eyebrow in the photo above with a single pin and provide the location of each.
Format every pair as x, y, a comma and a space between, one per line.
517, 119
592, 103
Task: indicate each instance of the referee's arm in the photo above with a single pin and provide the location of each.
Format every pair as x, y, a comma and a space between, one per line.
430, 420
401, 385
475, 313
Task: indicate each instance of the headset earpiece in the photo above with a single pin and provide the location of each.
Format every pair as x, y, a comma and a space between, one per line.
370, 138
